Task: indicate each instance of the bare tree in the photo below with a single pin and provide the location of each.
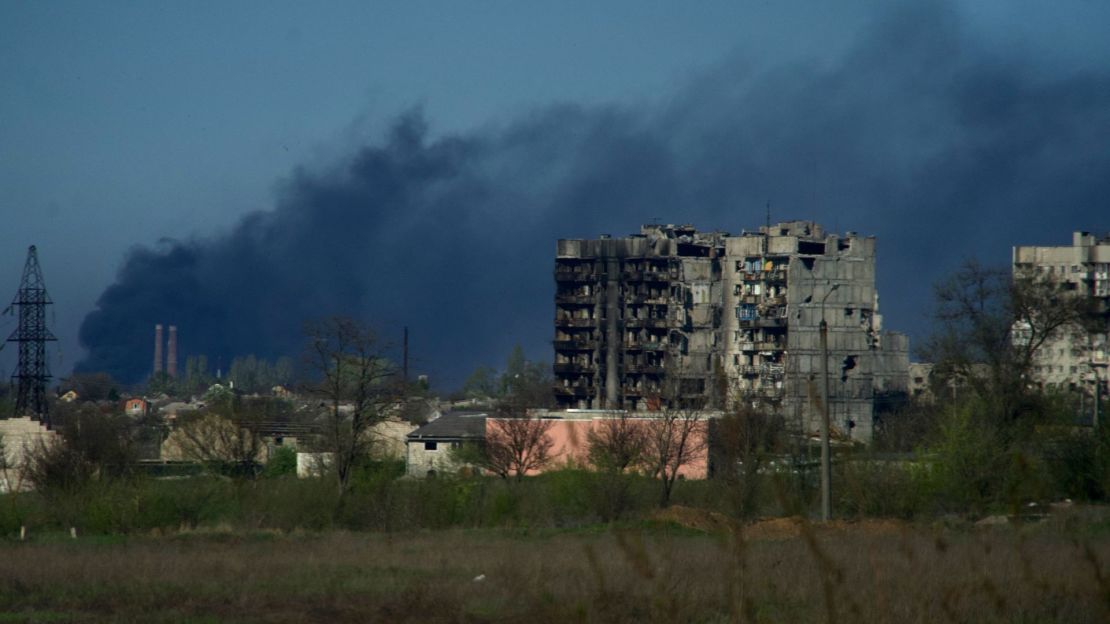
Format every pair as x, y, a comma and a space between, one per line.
617, 444
357, 385
516, 442
225, 437
744, 441
677, 435
675, 439
93, 446
992, 326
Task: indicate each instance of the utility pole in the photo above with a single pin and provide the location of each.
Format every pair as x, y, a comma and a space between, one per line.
1098, 393
826, 455
32, 335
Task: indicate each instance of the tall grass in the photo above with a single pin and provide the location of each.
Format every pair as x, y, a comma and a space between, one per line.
378, 501
849, 575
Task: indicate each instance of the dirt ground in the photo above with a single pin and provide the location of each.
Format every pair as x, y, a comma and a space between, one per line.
774, 528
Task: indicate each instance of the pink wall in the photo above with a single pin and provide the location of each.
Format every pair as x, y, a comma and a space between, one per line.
571, 445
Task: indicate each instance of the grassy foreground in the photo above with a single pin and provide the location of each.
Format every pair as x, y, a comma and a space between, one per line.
774, 571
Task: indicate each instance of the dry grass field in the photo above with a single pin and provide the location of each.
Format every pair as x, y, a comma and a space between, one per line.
775, 571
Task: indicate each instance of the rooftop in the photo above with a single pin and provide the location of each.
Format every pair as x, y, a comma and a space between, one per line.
453, 425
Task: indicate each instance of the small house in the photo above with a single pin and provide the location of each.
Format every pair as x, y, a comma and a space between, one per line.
428, 449
136, 406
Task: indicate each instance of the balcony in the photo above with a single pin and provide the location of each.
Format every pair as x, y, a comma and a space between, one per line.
573, 275
773, 371
567, 321
774, 275
575, 345
653, 323
576, 299
763, 321
565, 368
576, 390
644, 369
642, 299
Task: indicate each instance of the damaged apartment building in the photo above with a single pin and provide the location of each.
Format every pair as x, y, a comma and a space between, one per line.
1073, 359
673, 317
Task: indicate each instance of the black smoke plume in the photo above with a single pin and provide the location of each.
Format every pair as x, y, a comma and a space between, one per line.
940, 146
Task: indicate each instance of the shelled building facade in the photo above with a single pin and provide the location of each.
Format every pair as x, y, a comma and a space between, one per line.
629, 311
676, 317
1073, 359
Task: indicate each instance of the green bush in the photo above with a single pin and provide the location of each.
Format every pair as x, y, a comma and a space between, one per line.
967, 463
868, 487
1079, 464
282, 463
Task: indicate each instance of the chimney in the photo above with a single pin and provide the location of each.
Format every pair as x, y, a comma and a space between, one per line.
157, 349
171, 352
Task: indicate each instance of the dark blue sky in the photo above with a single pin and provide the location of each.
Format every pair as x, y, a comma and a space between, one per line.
947, 132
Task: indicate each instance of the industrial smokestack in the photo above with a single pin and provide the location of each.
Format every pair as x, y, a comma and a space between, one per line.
171, 353
157, 349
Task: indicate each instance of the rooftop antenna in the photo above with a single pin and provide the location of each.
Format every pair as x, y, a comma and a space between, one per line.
32, 335
767, 231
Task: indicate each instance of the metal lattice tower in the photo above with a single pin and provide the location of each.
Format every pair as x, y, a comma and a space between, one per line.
32, 335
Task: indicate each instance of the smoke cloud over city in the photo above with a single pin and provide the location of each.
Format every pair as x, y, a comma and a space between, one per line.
918, 134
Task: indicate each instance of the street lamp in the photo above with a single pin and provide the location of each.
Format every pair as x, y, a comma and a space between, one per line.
826, 459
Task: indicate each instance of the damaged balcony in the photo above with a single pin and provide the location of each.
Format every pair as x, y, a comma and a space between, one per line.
574, 274
572, 368
579, 389
570, 321
644, 369
575, 345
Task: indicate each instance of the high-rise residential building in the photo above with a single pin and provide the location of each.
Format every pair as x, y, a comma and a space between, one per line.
1073, 359
672, 316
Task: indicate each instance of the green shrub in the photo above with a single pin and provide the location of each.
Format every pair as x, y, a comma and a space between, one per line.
282, 463
867, 487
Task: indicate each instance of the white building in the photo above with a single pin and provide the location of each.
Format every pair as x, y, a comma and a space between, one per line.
1073, 359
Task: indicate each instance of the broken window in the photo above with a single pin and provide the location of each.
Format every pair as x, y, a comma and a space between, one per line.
810, 247
430, 446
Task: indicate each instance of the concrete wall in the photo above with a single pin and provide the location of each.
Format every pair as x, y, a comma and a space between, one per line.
571, 435
389, 438
419, 460
20, 436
